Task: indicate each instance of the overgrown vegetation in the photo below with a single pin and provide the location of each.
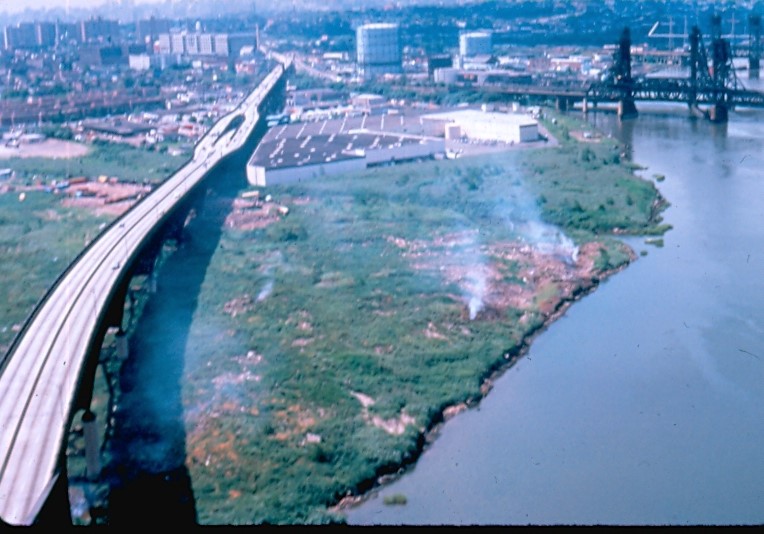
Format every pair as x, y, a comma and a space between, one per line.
322, 349
38, 240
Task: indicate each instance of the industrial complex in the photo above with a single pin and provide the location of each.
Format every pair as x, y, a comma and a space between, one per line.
307, 150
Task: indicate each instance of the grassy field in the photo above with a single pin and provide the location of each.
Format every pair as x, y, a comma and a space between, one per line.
123, 161
38, 239
325, 346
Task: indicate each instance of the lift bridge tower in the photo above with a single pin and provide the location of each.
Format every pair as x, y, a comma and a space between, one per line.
754, 45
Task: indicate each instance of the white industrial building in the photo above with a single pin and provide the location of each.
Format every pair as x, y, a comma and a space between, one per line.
475, 44
482, 125
205, 44
298, 159
378, 49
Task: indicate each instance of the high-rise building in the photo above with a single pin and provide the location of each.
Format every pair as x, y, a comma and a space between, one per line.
178, 43
191, 44
220, 44
99, 29
66, 32
475, 44
45, 34
206, 44
20, 36
378, 49
164, 44
30, 35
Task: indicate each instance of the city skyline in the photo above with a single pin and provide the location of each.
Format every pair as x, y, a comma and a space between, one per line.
13, 6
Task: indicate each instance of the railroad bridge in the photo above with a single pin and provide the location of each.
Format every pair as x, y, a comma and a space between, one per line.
711, 90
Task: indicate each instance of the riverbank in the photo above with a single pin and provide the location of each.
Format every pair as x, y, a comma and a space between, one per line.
430, 435
594, 426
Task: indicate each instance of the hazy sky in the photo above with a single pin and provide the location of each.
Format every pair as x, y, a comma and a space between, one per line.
15, 6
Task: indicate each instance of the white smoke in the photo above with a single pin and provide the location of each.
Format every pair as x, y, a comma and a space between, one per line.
520, 214
273, 262
265, 291
474, 282
476, 290
550, 240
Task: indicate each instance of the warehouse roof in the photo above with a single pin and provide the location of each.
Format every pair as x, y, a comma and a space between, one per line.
318, 149
477, 117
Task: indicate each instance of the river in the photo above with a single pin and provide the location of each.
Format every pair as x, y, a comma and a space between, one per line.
644, 403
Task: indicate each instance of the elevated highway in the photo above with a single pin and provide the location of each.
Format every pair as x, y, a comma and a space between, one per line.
53, 358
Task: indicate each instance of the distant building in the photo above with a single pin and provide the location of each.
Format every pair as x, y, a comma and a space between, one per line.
378, 49
139, 61
67, 32
475, 44
191, 44
237, 41
488, 125
178, 43
45, 34
20, 36
102, 56
452, 76
220, 44
206, 44
442, 61
369, 104
99, 29
151, 28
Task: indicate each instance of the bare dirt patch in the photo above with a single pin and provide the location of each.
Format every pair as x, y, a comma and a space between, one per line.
107, 198
539, 279
238, 305
49, 148
586, 137
253, 214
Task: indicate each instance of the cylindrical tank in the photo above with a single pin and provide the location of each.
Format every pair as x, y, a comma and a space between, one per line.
378, 49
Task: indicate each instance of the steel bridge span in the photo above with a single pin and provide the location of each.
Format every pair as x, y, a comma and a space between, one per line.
712, 82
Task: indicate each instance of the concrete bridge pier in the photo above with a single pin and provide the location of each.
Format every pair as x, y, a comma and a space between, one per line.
718, 113
123, 351
562, 103
627, 109
92, 446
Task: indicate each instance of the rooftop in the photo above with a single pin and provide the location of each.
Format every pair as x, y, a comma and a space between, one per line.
477, 117
317, 149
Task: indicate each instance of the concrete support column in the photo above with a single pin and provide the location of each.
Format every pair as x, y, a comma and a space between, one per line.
122, 348
92, 446
627, 109
718, 113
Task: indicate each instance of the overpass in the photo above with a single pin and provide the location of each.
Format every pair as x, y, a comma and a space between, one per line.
47, 375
